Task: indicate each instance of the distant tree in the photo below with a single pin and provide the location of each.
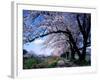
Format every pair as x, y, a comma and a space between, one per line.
24, 52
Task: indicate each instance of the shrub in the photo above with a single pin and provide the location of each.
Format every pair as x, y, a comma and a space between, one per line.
28, 63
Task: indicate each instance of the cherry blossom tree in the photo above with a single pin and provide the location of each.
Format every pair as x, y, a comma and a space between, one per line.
64, 31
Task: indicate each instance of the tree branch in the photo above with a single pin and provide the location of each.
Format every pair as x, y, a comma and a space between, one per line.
80, 26
53, 32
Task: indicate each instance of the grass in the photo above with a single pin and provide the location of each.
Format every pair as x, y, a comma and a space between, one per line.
49, 62
31, 63
28, 63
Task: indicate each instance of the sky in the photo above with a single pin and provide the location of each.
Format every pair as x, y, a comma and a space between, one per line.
36, 47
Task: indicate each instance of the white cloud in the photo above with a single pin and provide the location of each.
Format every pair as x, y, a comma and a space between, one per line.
36, 48
38, 41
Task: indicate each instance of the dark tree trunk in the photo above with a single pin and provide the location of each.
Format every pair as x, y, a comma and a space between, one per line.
72, 51
83, 55
72, 55
74, 45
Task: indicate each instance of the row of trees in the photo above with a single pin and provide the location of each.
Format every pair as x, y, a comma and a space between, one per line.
64, 31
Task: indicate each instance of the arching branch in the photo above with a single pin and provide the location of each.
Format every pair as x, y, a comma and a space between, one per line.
53, 32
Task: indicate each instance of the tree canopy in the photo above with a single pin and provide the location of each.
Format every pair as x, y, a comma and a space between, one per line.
64, 31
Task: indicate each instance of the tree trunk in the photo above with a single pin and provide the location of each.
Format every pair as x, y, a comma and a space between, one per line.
72, 55
83, 55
